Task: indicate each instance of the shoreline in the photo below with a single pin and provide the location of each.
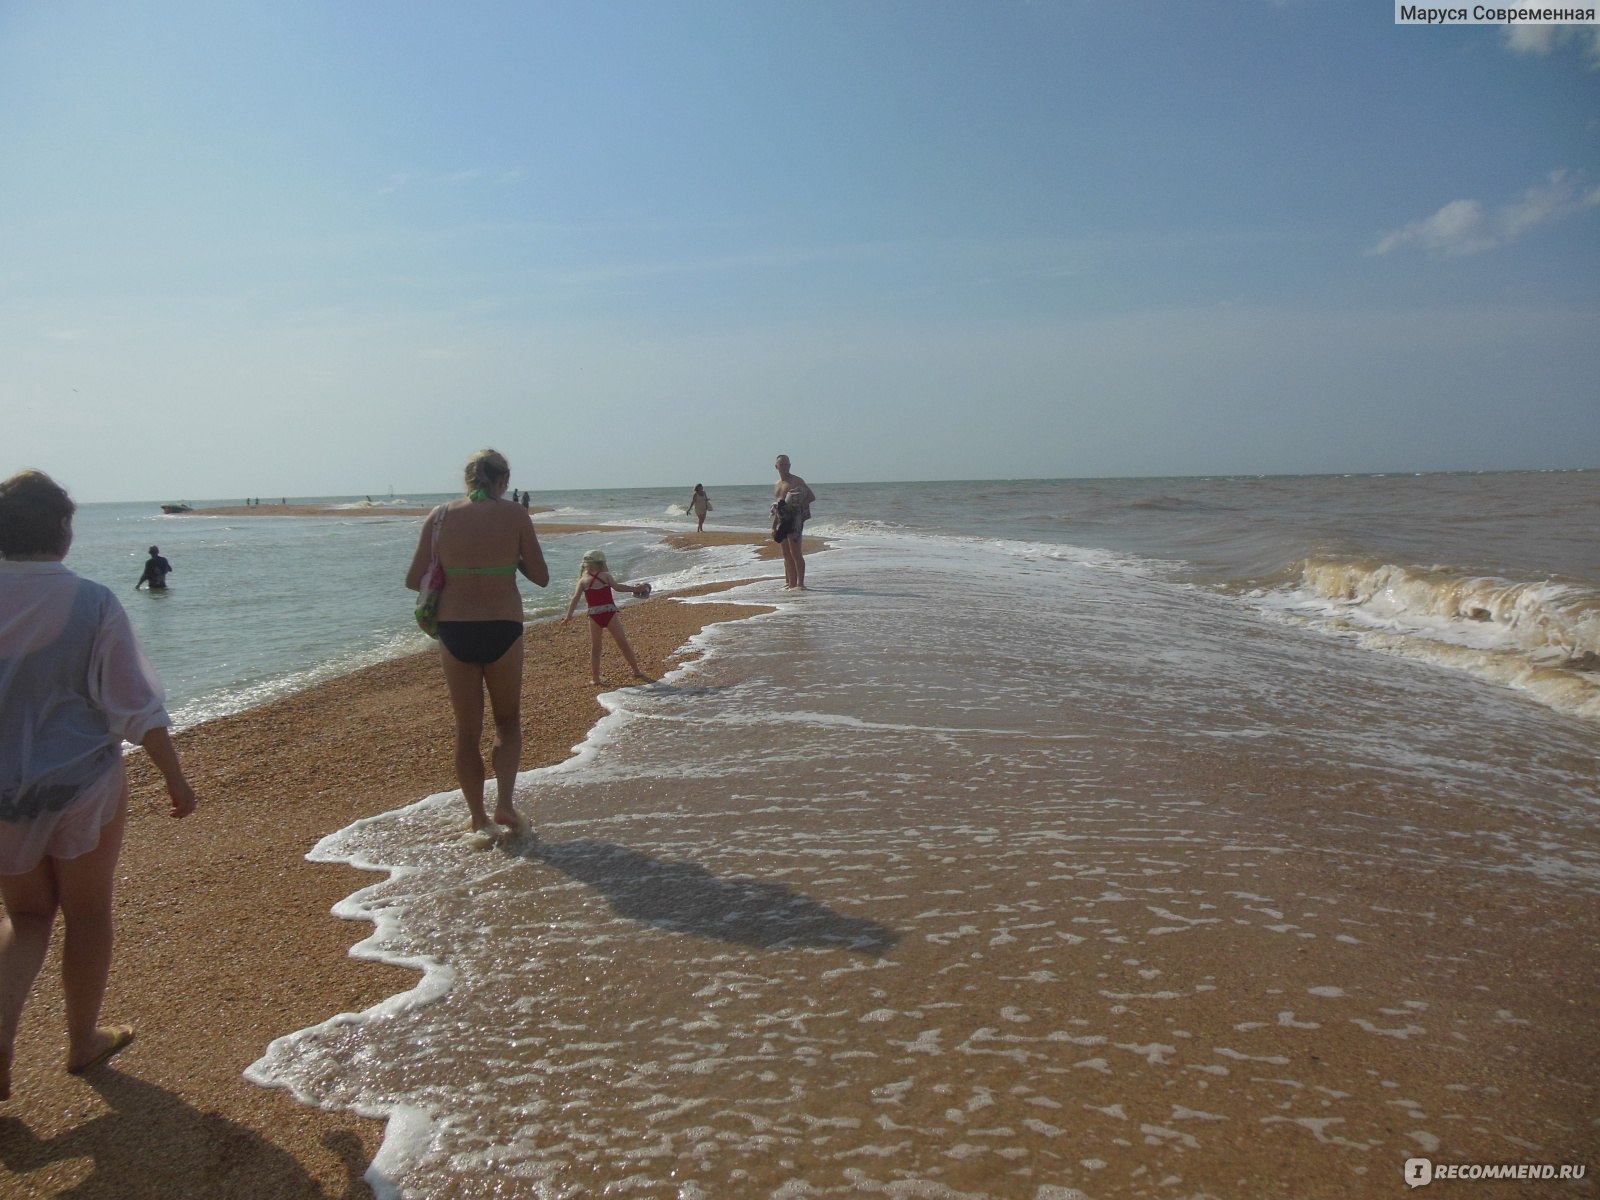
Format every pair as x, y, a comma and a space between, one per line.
225, 933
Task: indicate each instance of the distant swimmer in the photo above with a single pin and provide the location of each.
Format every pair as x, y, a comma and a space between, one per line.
156, 570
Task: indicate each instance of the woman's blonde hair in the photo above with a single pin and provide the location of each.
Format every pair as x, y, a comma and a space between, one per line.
485, 470
34, 510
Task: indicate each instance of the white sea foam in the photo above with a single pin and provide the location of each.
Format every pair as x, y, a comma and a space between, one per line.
1542, 638
777, 895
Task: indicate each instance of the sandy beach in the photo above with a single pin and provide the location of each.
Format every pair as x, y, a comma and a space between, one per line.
225, 939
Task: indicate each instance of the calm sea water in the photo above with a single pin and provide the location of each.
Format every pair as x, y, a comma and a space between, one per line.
1043, 849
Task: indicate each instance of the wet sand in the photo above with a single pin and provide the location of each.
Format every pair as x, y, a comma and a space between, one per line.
225, 938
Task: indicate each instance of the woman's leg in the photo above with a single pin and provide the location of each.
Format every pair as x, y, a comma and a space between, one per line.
24, 937
595, 634
465, 681
84, 887
627, 650
504, 679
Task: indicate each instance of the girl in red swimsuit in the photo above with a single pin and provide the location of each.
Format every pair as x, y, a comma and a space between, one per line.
594, 586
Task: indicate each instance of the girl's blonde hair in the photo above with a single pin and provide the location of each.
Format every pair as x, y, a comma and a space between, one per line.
594, 558
485, 469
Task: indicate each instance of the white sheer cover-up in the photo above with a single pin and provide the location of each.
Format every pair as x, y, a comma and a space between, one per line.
74, 685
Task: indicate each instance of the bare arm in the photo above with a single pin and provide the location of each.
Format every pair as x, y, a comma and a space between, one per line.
576, 592
157, 743
424, 555
530, 556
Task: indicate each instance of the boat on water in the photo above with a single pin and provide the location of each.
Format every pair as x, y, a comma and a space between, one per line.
170, 509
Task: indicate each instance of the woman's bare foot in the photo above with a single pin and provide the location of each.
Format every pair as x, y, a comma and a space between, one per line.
511, 819
108, 1040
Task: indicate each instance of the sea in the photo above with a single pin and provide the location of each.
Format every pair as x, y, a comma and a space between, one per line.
1064, 839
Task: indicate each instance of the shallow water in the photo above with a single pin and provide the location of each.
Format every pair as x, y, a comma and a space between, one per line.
994, 867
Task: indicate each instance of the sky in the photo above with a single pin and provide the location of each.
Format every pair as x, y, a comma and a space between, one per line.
322, 247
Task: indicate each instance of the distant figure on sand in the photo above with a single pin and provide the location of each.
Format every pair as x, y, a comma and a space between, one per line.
483, 541
594, 585
699, 505
792, 498
156, 570
74, 686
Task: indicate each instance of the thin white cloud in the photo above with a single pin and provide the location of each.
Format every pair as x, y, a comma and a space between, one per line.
1466, 227
1544, 40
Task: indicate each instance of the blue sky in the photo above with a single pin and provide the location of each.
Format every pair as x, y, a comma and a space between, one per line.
296, 248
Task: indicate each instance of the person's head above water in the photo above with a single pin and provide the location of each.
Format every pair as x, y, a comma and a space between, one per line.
35, 515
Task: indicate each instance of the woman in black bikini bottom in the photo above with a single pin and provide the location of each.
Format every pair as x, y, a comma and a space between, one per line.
484, 542
480, 642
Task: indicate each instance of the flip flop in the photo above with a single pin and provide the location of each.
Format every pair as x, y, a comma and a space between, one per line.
122, 1038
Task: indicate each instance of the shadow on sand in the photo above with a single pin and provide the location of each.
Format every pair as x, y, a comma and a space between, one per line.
689, 899
154, 1144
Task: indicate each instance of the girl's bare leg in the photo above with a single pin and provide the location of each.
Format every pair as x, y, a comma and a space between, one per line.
504, 680
465, 681
84, 886
595, 635
627, 650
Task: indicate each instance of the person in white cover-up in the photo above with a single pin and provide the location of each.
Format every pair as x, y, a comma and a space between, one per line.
74, 685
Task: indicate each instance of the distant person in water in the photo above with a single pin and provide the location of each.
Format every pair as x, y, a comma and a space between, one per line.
74, 686
792, 498
156, 570
699, 505
483, 541
594, 586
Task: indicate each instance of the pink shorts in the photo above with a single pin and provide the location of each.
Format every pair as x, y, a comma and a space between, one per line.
70, 833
